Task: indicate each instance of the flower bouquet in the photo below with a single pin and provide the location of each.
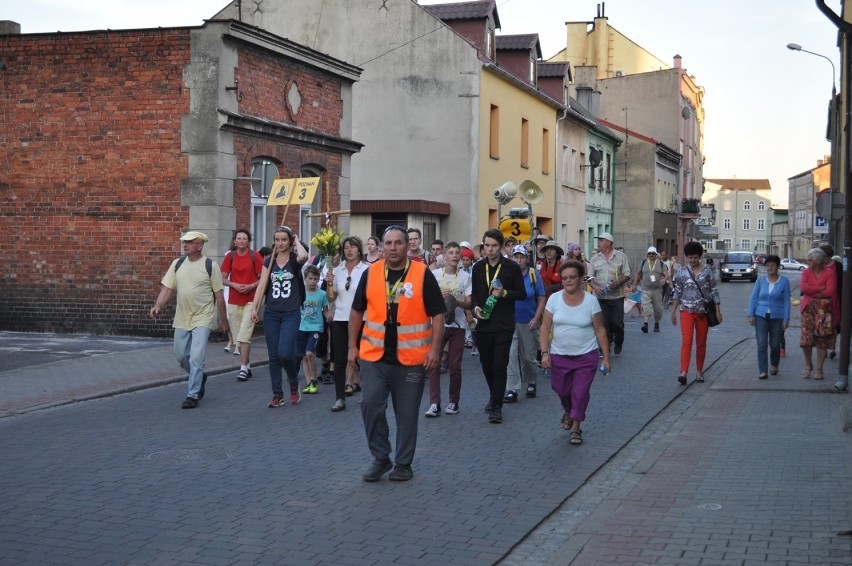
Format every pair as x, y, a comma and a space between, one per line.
327, 242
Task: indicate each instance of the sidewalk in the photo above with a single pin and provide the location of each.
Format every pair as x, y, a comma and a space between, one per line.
753, 472
102, 375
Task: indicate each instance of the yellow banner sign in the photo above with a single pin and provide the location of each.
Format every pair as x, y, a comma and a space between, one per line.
293, 191
518, 228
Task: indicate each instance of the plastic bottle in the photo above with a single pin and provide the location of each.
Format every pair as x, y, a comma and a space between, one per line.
603, 369
486, 311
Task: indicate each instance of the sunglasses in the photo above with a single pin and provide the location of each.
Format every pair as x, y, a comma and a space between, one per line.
398, 227
348, 282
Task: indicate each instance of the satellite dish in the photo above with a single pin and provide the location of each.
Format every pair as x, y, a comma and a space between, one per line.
595, 158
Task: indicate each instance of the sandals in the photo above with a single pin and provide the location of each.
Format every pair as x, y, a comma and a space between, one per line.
773, 370
699, 378
818, 375
576, 438
356, 387
348, 390
682, 379
567, 422
806, 373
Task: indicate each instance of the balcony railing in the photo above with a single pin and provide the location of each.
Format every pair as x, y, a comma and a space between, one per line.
690, 206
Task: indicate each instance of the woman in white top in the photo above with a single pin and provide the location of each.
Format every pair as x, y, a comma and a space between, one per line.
342, 283
574, 319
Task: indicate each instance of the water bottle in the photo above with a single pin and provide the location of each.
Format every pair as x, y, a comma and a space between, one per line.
603, 369
486, 311
608, 287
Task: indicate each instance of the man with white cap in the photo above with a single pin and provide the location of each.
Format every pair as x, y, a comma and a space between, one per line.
610, 270
197, 281
652, 274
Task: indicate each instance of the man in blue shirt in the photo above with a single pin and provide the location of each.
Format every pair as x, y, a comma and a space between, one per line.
524, 350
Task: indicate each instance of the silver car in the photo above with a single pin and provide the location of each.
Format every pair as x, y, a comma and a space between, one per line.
789, 263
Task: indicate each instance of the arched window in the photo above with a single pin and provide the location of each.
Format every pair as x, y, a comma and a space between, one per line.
761, 205
263, 173
746, 205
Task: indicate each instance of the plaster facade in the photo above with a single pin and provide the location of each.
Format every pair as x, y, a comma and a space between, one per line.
743, 213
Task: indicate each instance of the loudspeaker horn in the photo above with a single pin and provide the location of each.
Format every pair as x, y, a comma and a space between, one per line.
505, 192
531, 193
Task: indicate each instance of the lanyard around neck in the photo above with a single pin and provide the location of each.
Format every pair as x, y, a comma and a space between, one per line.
488, 278
393, 291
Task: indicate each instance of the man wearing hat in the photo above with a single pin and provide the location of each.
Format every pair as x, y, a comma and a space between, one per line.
197, 281
549, 266
610, 270
652, 275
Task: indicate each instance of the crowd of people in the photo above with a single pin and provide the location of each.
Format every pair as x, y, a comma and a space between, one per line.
386, 320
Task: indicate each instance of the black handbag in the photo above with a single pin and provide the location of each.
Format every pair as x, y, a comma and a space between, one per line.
709, 305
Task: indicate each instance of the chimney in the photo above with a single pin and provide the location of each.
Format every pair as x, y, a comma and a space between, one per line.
677, 62
590, 99
8, 27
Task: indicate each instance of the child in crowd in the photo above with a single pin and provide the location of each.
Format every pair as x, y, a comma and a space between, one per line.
314, 309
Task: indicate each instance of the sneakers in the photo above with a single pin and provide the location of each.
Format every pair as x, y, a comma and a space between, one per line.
189, 403
496, 416
277, 399
340, 405
244, 375
452, 408
656, 327
295, 395
511, 396
401, 472
475, 352
531, 390
433, 411
203, 383
311, 388
377, 469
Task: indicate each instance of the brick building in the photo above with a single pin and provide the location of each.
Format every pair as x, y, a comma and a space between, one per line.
114, 142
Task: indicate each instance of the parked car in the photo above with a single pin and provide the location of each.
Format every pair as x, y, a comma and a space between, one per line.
738, 265
788, 263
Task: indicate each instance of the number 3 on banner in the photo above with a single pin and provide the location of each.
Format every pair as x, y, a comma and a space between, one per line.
518, 228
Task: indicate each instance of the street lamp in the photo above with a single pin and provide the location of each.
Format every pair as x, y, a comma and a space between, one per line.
797, 47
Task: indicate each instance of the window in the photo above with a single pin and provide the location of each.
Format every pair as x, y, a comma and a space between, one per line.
745, 244
746, 223
761, 205
726, 224
761, 224
532, 69
728, 205
545, 151
727, 243
489, 44
760, 245
607, 171
494, 147
525, 143
746, 205
263, 173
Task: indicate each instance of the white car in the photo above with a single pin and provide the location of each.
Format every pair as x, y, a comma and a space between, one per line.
788, 263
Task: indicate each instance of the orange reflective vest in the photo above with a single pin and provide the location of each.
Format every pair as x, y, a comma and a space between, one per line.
414, 326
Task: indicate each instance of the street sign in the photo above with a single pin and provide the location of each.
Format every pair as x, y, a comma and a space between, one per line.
293, 191
831, 205
820, 225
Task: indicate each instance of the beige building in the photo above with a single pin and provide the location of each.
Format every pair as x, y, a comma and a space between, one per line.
743, 214
639, 92
804, 228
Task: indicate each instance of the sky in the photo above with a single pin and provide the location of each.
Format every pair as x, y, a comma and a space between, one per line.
765, 105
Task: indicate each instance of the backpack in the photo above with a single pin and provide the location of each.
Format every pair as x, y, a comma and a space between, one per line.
228, 255
208, 263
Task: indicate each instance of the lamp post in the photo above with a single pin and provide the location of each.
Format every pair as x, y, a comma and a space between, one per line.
833, 128
797, 47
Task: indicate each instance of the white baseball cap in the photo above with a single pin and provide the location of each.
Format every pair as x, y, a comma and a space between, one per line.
652, 250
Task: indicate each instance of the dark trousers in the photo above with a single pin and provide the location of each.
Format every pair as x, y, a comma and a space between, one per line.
494, 350
613, 319
454, 337
340, 352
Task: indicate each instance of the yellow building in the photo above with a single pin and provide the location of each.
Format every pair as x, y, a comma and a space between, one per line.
517, 143
597, 44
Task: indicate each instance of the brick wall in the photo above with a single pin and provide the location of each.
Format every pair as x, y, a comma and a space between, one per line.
91, 177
